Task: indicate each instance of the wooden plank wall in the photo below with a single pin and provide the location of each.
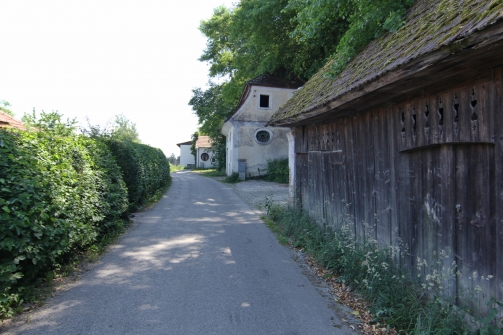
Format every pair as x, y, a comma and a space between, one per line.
425, 175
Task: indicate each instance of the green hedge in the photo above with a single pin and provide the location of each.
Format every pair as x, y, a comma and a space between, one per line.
57, 194
145, 170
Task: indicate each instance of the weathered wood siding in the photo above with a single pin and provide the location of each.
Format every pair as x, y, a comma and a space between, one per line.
425, 175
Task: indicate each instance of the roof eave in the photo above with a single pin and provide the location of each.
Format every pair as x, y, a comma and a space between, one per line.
349, 103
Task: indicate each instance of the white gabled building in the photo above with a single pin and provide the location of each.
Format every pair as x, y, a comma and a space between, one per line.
250, 144
204, 153
186, 157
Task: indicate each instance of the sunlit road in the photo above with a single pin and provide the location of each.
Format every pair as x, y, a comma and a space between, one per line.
199, 262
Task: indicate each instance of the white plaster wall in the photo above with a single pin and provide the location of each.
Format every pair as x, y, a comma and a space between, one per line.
256, 154
186, 156
204, 164
240, 130
250, 111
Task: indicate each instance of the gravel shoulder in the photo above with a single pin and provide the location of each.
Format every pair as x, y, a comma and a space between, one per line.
254, 193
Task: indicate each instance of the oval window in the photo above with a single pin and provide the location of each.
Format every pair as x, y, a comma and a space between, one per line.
205, 156
263, 136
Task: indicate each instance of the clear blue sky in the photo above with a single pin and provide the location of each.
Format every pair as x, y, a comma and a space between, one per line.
99, 58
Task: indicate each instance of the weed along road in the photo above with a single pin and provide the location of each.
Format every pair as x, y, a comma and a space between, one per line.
199, 262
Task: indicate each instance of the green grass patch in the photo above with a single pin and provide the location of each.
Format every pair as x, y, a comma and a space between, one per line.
211, 172
175, 168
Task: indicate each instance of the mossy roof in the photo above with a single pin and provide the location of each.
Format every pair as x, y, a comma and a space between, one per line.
430, 25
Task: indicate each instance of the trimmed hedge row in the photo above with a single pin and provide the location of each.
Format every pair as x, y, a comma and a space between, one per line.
59, 194
144, 169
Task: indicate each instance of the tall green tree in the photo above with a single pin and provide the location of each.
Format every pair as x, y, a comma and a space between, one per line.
50, 122
124, 130
193, 150
345, 26
287, 38
4, 107
212, 108
172, 159
294, 37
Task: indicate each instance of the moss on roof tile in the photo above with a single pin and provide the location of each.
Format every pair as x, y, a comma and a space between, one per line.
430, 25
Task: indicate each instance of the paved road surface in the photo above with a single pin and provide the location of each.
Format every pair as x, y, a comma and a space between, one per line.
199, 262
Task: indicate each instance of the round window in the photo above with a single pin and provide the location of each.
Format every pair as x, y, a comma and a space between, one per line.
263, 136
205, 156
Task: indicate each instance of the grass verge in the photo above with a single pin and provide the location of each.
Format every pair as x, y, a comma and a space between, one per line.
175, 168
398, 302
211, 172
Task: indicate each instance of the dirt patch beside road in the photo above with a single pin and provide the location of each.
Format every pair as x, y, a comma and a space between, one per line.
254, 193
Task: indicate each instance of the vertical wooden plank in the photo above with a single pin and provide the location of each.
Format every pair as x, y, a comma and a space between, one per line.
416, 199
322, 146
298, 134
383, 148
305, 137
398, 116
496, 112
457, 112
370, 170
428, 190
418, 110
447, 247
301, 174
437, 120
319, 136
405, 198
407, 123
484, 116
392, 124
448, 115
329, 136
465, 113
359, 161
349, 158
342, 185
426, 117
475, 114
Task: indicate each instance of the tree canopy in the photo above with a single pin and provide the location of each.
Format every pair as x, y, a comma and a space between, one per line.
124, 130
50, 122
287, 38
294, 38
4, 107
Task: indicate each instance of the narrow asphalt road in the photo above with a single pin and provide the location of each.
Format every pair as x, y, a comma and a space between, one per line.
199, 262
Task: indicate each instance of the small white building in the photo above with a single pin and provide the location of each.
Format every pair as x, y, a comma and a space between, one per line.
250, 144
186, 157
204, 154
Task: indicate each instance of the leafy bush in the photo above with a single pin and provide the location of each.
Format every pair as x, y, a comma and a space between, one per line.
233, 178
57, 194
145, 170
278, 171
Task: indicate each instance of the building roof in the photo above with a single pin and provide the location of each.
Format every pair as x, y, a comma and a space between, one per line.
9, 122
268, 80
203, 142
435, 32
184, 143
